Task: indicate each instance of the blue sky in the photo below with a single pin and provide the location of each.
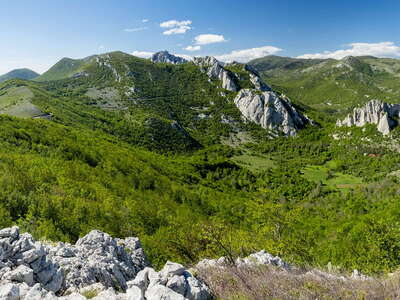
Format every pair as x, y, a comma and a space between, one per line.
37, 33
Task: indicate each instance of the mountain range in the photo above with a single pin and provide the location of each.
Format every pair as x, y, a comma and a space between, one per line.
206, 159
333, 86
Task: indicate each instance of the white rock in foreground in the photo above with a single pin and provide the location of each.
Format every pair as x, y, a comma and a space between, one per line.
97, 265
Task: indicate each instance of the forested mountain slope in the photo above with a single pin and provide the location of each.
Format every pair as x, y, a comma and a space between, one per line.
162, 151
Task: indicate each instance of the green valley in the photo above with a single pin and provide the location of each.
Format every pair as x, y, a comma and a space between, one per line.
137, 148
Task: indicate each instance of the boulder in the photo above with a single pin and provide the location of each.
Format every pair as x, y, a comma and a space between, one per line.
20, 274
196, 289
161, 292
9, 291
171, 269
178, 284
134, 293
12, 233
37, 292
260, 258
265, 258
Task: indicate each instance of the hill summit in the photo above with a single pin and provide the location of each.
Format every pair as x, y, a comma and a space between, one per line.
25, 74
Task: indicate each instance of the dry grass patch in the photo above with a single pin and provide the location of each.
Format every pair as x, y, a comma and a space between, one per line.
263, 282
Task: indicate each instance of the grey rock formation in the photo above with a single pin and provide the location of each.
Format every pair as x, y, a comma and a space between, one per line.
96, 265
256, 80
375, 112
270, 111
258, 104
215, 70
166, 57
21, 258
255, 259
9, 291
173, 282
98, 257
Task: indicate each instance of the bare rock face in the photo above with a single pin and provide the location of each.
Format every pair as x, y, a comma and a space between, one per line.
98, 257
172, 282
256, 80
259, 104
214, 69
96, 265
375, 112
270, 111
166, 57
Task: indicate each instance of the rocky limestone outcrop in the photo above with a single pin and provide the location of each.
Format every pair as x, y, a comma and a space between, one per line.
172, 282
215, 70
256, 80
259, 104
97, 266
166, 57
98, 257
375, 112
270, 111
255, 259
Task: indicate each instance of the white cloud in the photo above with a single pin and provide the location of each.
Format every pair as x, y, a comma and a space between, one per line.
143, 54
205, 39
177, 30
176, 27
383, 49
246, 55
135, 29
175, 23
145, 20
193, 48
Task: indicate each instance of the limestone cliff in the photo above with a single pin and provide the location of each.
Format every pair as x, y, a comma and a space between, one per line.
375, 112
214, 69
166, 57
270, 111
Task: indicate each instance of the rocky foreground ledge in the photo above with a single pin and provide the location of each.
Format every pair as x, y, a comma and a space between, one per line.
96, 267
99, 267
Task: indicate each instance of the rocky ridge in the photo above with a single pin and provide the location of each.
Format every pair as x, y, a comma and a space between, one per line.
166, 57
259, 104
375, 112
266, 108
215, 70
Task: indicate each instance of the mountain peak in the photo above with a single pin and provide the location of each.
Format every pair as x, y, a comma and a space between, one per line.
24, 73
